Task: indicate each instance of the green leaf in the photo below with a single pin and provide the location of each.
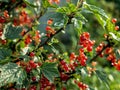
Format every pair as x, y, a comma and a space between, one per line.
60, 20
45, 3
70, 8
30, 3
11, 73
102, 77
77, 25
90, 88
82, 71
4, 53
12, 32
114, 36
101, 20
95, 10
50, 71
110, 26
80, 17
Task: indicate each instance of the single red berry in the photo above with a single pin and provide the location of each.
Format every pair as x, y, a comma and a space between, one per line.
24, 5
116, 28
48, 28
39, 64
6, 15
64, 77
4, 42
56, 1
114, 20
28, 69
33, 78
72, 56
75, 64
62, 62
2, 19
32, 64
33, 88
86, 35
1, 32
32, 54
50, 21
89, 48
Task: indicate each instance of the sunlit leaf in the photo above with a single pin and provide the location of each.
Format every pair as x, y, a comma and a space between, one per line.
11, 73
12, 32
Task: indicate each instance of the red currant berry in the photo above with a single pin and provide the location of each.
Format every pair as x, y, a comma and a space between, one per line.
50, 21
62, 62
4, 42
24, 5
33, 78
2, 19
64, 77
72, 56
116, 28
48, 28
114, 20
32, 54
32, 64
28, 69
1, 32
89, 48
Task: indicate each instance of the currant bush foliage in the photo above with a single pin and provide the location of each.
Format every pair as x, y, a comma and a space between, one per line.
29, 57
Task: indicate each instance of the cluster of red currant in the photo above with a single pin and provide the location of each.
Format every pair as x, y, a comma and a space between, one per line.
111, 55
64, 65
5, 17
22, 19
81, 85
86, 44
49, 30
31, 65
85, 41
45, 84
29, 38
64, 76
69, 67
99, 49
82, 58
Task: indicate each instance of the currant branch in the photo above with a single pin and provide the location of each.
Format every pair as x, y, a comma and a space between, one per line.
99, 53
104, 47
80, 3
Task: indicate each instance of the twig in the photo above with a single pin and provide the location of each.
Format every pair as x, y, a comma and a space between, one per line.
99, 53
79, 4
